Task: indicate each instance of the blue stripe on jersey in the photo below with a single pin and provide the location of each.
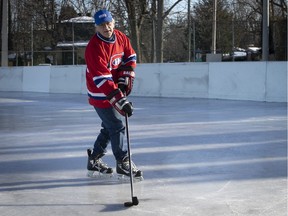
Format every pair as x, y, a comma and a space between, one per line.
97, 97
100, 80
130, 58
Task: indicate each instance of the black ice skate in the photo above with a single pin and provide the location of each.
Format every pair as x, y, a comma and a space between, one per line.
122, 169
96, 167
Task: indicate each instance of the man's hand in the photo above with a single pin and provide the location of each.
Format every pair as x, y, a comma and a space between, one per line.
120, 102
125, 81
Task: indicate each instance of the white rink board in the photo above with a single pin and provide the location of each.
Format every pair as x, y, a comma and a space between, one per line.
147, 81
11, 79
171, 80
65, 79
258, 81
184, 80
83, 79
276, 82
246, 81
36, 79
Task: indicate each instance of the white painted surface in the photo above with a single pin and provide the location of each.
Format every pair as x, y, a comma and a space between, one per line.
36, 79
184, 80
246, 81
11, 79
147, 81
83, 80
171, 80
258, 81
65, 79
276, 81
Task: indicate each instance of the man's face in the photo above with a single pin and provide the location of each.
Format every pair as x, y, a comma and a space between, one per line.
106, 29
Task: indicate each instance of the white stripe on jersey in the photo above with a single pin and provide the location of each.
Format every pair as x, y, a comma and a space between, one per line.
100, 80
101, 83
102, 77
96, 94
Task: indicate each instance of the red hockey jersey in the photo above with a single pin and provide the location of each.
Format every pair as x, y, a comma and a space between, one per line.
103, 57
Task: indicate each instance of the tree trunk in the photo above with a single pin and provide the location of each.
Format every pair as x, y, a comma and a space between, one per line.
135, 36
159, 32
153, 32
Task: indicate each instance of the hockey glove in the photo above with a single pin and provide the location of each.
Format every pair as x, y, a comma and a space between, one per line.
125, 81
120, 102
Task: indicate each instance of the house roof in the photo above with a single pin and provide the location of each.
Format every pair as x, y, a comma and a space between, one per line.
70, 44
80, 19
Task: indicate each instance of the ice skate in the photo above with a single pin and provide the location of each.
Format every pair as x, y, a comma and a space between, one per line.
97, 168
122, 169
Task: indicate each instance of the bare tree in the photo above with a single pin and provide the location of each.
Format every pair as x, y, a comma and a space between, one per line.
87, 7
278, 23
161, 15
137, 10
35, 25
278, 29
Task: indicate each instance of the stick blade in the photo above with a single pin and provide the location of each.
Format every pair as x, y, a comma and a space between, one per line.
128, 204
135, 201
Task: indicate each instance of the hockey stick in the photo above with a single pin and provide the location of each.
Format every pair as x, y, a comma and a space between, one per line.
134, 198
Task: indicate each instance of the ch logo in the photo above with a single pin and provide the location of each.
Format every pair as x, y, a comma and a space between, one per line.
116, 60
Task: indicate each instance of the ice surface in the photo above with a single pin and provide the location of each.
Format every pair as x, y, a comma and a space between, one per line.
199, 157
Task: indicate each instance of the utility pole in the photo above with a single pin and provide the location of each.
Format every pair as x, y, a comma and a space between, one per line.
265, 30
194, 43
73, 44
32, 44
4, 46
233, 31
214, 27
189, 31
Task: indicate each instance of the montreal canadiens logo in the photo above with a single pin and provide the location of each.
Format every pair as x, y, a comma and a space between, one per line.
116, 60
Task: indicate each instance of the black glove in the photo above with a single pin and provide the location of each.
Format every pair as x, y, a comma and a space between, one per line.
120, 102
125, 81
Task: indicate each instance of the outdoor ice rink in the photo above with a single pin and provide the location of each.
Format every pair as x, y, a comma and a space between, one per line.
200, 157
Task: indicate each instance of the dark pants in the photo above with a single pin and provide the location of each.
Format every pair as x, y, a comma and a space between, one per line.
112, 130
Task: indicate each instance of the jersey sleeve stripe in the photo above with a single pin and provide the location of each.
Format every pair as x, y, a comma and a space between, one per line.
130, 58
97, 96
100, 80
